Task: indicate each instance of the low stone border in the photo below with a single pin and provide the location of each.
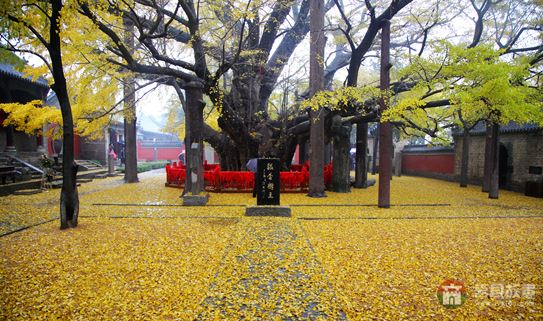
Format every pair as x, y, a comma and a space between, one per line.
281, 211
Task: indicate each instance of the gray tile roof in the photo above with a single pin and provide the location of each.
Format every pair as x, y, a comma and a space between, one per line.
9, 71
427, 149
510, 128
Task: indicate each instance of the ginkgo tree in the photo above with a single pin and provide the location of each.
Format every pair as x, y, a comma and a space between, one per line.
236, 51
41, 23
82, 82
460, 86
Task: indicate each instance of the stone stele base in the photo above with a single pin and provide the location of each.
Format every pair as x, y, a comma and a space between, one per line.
195, 200
282, 211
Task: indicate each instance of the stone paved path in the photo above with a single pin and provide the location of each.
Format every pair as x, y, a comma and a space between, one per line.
270, 270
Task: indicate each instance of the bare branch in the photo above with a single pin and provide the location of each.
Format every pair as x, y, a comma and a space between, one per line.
15, 49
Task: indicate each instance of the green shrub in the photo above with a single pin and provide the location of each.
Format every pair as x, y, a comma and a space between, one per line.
147, 166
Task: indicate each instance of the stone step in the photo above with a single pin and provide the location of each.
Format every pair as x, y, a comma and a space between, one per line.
36, 182
27, 191
58, 184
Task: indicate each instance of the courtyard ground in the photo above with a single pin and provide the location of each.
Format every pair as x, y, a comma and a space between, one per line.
138, 255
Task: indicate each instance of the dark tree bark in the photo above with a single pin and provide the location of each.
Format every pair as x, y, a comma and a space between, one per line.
376, 23
358, 53
280, 57
488, 158
316, 154
194, 127
130, 120
479, 23
494, 187
229, 156
253, 75
375, 151
385, 128
316, 81
131, 153
466, 138
69, 198
361, 163
302, 142
341, 180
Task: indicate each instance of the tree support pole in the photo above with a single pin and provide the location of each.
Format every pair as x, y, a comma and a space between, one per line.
130, 119
488, 158
361, 162
194, 125
375, 151
316, 81
466, 138
385, 128
341, 178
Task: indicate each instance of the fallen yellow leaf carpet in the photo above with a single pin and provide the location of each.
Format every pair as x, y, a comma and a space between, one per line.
138, 255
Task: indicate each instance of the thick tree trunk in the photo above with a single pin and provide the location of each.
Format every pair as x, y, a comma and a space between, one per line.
228, 153
385, 164
131, 151
361, 166
69, 198
316, 79
316, 154
341, 179
375, 152
194, 126
229, 159
129, 88
466, 139
385, 128
494, 187
488, 158
361, 163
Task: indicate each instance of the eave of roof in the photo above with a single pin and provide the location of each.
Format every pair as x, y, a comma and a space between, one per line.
10, 72
510, 128
415, 149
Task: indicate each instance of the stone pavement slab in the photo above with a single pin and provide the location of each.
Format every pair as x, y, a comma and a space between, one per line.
270, 273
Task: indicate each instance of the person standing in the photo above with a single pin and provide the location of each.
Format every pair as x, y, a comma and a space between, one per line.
112, 157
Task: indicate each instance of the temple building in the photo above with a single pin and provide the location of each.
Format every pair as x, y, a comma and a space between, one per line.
520, 158
520, 155
16, 88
